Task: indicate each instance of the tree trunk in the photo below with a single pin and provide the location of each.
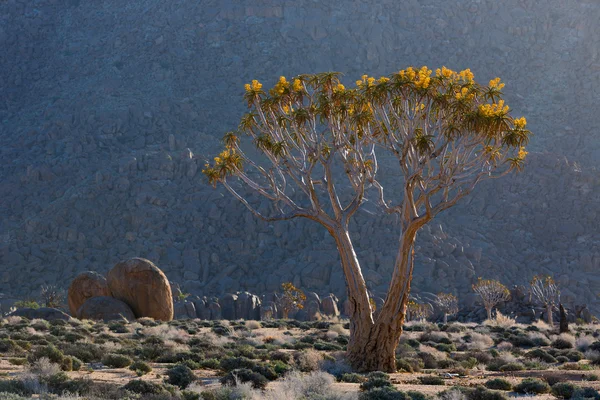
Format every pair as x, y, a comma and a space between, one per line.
550, 318
564, 322
489, 312
372, 344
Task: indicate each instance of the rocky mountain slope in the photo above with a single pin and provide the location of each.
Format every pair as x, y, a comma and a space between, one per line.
108, 112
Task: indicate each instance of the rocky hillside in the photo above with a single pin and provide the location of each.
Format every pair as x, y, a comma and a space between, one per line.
108, 112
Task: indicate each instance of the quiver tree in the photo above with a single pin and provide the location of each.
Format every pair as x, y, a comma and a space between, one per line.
491, 292
447, 303
418, 311
322, 146
545, 290
291, 299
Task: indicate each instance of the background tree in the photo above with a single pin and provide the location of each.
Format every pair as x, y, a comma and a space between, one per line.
491, 292
319, 147
545, 290
52, 296
447, 303
292, 298
418, 311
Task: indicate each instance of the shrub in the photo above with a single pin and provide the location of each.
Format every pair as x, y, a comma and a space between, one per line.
86, 352
140, 367
75, 363
181, 376
245, 375
144, 387
541, 354
383, 393
498, 384
510, 367
231, 363
563, 390
17, 361
15, 387
591, 378
532, 386
308, 360
431, 380
210, 363
116, 361
49, 351
562, 343
586, 393
374, 383
481, 393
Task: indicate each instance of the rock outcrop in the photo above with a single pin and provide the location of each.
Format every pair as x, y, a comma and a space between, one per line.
143, 287
85, 286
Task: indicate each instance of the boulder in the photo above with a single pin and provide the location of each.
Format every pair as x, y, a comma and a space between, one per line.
85, 286
227, 303
105, 308
312, 311
247, 306
215, 311
184, 310
47, 313
144, 287
202, 310
329, 306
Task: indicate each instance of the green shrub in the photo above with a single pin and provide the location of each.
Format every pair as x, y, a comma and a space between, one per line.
116, 361
140, 367
448, 348
27, 304
383, 393
563, 390
374, 383
60, 383
510, 367
586, 393
402, 364
231, 363
17, 361
541, 354
16, 387
561, 343
431, 380
86, 352
49, 351
145, 387
532, 386
498, 384
181, 376
210, 363
8, 346
76, 363
245, 375
591, 377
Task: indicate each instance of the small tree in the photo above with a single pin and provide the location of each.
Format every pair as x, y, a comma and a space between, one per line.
491, 292
292, 298
418, 311
52, 296
546, 292
448, 303
322, 145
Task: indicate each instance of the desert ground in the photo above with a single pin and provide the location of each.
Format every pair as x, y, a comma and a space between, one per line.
277, 359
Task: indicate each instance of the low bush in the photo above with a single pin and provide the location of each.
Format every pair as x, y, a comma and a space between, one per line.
141, 368
532, 386
431, 380
180, 375
383, 393
245, 375
540, 354
145, 387
116, 361
563, 390
49, 351
231, 363
498, 384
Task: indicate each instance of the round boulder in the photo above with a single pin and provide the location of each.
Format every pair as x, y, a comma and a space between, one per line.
144, 287
105, 308
85, 286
